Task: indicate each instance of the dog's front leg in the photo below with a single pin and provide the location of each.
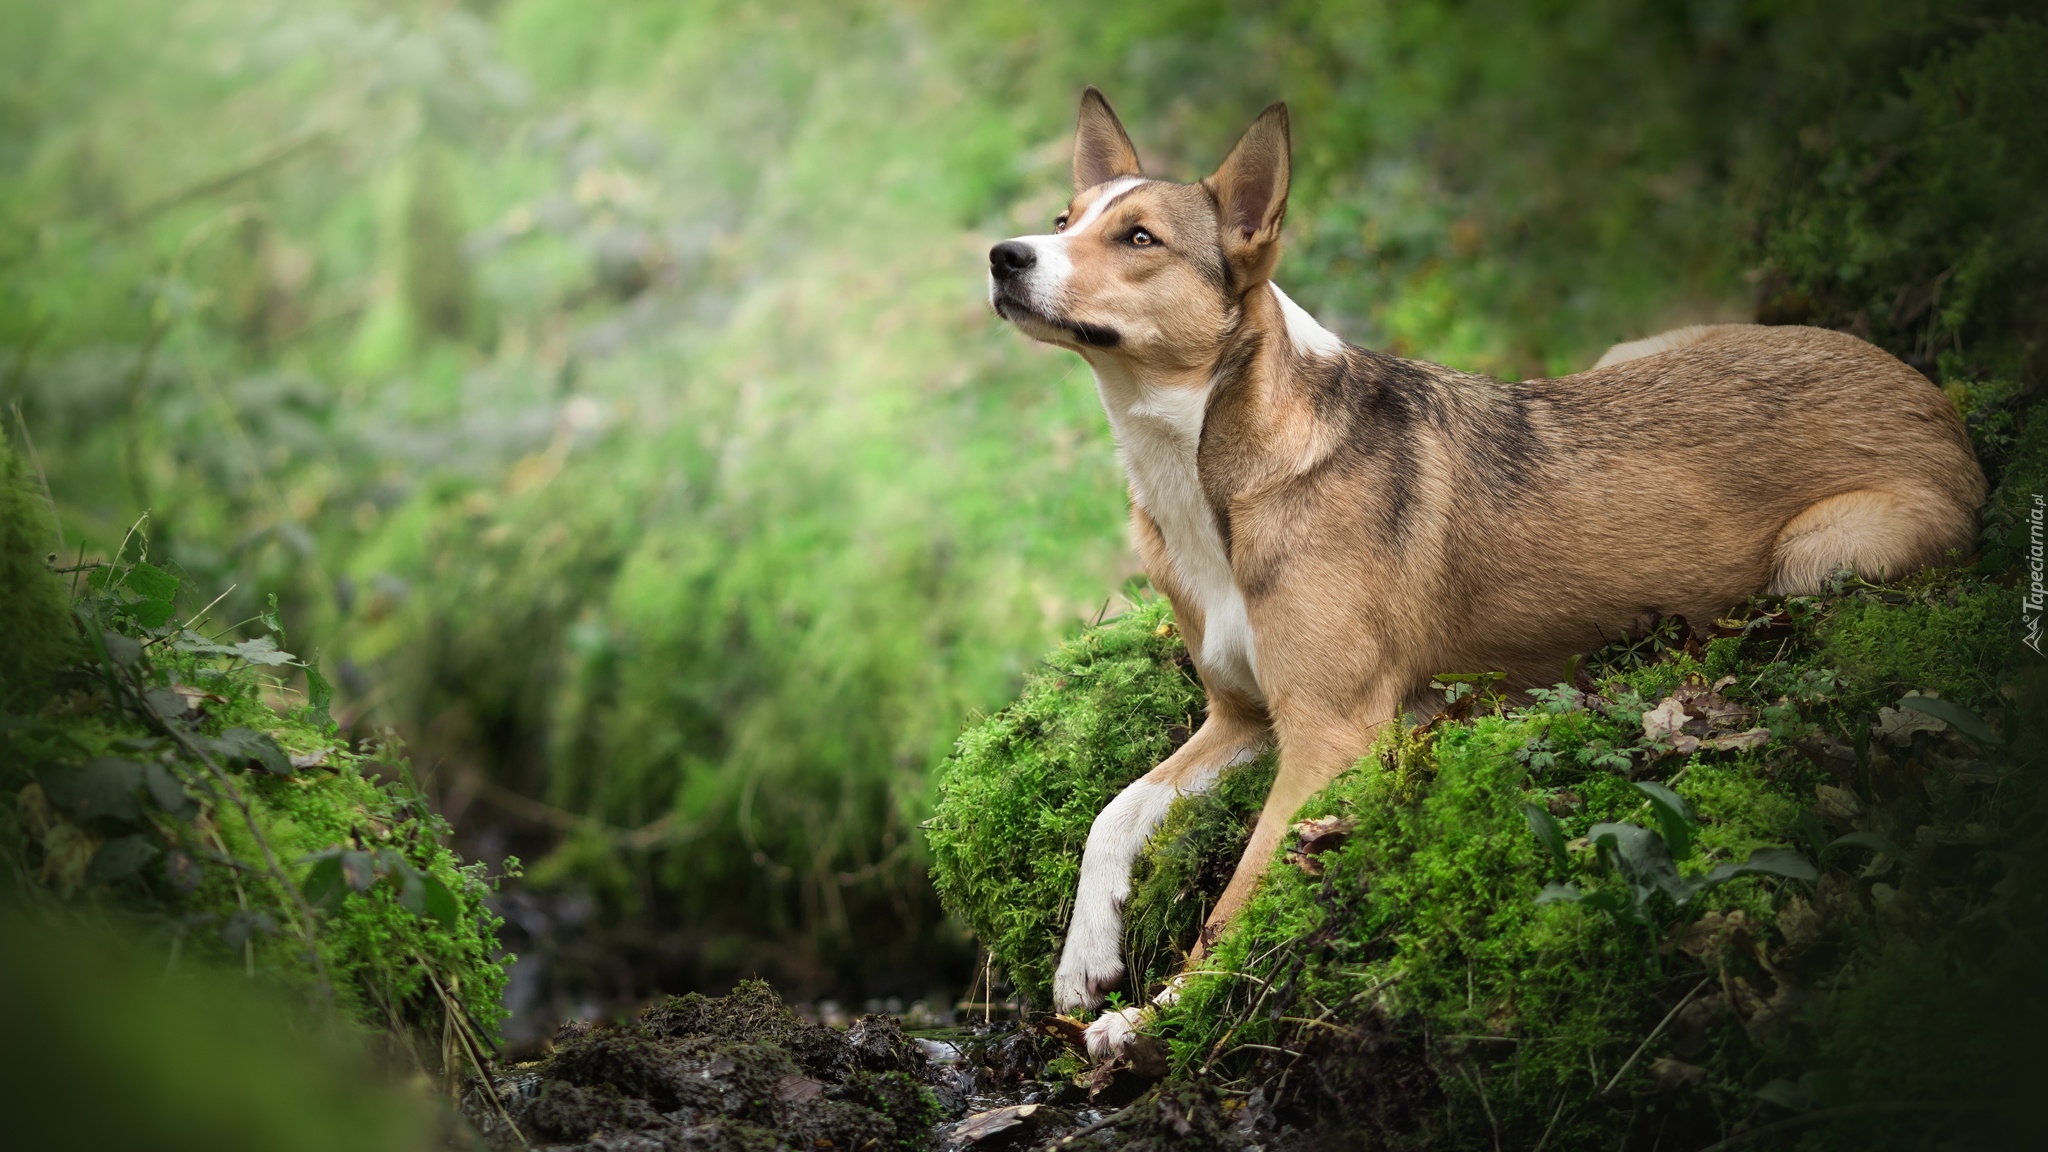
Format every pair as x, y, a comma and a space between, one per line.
1092, 961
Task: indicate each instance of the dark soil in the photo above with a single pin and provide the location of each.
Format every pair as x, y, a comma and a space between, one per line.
745, 1072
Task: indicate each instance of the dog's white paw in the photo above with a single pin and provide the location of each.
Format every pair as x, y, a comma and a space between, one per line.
1112, 1033
1086, 972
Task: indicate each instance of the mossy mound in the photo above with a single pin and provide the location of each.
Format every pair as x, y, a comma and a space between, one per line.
1531, 925
735, 1072
152, 781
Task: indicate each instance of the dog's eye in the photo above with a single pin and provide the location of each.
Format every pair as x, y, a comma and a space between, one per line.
1060, 225
1140, 237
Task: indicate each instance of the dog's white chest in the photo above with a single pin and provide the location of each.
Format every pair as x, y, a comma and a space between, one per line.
1158, 431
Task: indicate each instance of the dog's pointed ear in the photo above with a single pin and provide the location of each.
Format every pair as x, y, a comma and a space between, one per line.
1102, 151
1250, 188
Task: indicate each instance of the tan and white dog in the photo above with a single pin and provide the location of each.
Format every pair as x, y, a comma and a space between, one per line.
1334, 525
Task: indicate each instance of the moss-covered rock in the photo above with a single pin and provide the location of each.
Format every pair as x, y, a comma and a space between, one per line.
1465, 969
176, 781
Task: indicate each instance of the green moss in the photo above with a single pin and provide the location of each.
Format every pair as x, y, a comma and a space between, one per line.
201, 824
1958, 641
1017, 796
35, 627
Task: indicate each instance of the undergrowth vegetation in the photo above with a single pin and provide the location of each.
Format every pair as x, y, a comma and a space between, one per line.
161, 781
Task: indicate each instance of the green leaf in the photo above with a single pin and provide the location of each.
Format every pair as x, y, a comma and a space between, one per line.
151, 582
1548, 832
122, 650
262, 650
1870, 840
319, 694
102, 787
442, 904
122, 857
1762, 862
1958, 717
1643, 860
1674, 818
412, 891
243, 746
325, 885
166, 789
359, 869
152, 613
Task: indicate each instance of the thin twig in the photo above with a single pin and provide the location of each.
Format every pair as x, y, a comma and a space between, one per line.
472, 1047
1630, 1062
1562, 1093
1109, 1121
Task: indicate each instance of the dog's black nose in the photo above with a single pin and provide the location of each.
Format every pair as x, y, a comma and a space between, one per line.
1009, 258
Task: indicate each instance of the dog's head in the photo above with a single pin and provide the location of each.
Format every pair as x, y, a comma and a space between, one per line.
1148, 271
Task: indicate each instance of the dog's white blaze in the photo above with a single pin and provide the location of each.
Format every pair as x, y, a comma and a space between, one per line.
1047, 280
1115, 188
1158, 430
1094, 949
1308, 337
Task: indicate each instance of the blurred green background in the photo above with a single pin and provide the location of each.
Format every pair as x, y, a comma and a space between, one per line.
607, 388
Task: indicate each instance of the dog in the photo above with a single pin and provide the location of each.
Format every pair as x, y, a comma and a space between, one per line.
1334, 525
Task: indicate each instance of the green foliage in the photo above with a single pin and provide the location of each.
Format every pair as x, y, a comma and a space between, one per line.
160, 787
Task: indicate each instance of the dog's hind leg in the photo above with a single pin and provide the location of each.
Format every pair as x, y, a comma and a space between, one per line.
1877, 534
1092, 960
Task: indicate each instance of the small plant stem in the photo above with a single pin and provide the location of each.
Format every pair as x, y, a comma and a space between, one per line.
1556, 1112
471, 1046
1654, 1033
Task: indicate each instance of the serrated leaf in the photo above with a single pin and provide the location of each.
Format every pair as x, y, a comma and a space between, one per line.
122, 857
151, 582
262, 650
1548, 832
1958, 717
102, 787
152, 613
319, 694
1675, 818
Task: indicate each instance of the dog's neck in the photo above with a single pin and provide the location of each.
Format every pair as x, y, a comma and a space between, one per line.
1158, 423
